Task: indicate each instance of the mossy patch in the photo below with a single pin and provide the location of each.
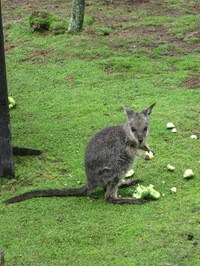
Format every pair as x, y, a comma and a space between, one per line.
41, 21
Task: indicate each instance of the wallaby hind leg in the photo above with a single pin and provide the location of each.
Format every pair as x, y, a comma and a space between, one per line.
111, 196
130, 182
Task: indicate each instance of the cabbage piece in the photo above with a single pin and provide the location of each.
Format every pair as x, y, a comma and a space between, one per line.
170, 167
130, 173
154, 194
170, 125
193, 137
188, 173
141, 192
11, 102
173, 189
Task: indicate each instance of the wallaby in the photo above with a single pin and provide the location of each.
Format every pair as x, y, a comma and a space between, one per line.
109, 155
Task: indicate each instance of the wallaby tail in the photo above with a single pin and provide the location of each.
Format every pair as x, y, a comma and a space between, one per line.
82, 191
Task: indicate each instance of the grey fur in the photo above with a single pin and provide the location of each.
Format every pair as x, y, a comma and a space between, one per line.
109, 155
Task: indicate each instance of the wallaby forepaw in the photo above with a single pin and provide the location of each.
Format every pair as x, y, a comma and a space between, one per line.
146, 157
130, 182
138, 181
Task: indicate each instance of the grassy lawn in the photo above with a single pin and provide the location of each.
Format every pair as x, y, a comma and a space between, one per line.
67, 87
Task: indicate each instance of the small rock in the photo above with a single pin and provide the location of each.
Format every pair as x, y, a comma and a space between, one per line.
190, 237
106, 33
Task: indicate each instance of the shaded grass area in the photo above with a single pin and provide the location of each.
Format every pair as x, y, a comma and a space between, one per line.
67, 88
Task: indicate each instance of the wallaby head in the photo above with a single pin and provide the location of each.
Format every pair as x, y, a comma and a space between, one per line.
137, 125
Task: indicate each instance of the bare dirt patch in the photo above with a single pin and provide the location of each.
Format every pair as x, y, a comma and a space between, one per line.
38, 56
126, 33
8, 46
119, 22
192, 82
9, 7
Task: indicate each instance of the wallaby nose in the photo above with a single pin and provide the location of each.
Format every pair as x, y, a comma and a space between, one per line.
140, 140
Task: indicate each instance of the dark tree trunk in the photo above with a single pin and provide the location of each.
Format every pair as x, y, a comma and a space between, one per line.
6, 160
77, 16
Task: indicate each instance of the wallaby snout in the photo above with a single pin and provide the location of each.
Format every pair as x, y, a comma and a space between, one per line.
141, 137
140, 141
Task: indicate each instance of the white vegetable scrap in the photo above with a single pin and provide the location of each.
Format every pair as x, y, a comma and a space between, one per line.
130, 173
173, 189
188, 173
154, 194
150, 154
170, 167
11, 102
170, 125
143, 192
193, 137
174, 130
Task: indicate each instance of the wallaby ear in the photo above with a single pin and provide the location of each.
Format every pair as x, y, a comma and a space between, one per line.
147, 111
129, 112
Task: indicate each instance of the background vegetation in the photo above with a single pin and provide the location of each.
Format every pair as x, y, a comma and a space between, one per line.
67, 87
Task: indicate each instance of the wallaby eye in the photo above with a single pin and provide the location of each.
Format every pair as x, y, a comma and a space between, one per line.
133, 129
145, 129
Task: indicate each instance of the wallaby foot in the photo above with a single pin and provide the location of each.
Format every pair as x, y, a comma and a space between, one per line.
126, 201
111, 196
130, 182
92, 195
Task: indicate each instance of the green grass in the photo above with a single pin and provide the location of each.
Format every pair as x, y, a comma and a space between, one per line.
67, 87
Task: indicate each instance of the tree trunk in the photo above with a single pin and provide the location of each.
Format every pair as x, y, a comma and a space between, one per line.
6, 160
77, 16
